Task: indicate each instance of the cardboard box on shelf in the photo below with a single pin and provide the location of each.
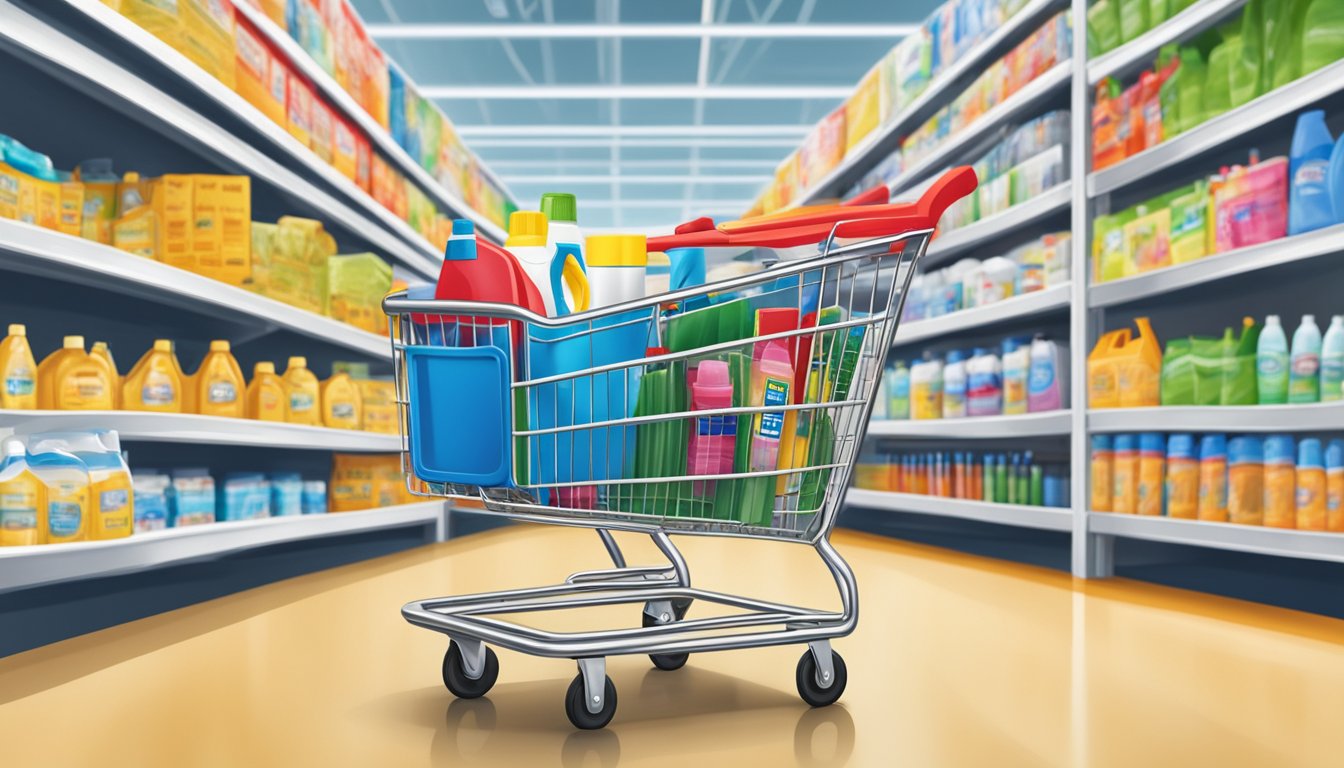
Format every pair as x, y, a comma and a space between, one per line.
299, 107
260, 73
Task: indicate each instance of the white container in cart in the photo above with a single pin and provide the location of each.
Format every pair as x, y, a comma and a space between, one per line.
883, 241
616, 268
555, 269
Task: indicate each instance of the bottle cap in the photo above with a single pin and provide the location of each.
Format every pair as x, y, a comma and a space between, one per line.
1181, 446
1213, 447
264, 366
526, 228
1125, 443
1309, 453
617, 251
1334, 454
1279, 449
464, 227
1153, 442
18, 329
560, 206
1101, 442
73, 342
163, 345
219, 345
955, 356
297, 361
1246, 450
1308, 319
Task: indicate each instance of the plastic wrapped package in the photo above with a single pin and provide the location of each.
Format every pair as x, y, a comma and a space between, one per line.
357, 284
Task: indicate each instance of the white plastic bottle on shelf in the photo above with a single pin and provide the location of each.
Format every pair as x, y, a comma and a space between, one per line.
926, 388
1016, 367
1271, 363
954, 385
1332, 361
984, 384
1304, 377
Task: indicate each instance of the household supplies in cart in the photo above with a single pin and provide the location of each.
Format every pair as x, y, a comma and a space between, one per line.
732, 408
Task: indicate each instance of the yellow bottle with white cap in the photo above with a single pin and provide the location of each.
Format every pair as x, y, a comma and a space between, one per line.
70, 379
616, 268
155, 383
555, 269
266, 395
101, 351
302, 390
18, 370
218, 387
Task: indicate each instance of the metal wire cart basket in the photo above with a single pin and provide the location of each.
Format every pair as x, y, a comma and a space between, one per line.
731, 409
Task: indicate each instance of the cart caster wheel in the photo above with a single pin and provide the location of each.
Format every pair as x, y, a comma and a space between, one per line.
811, 690
455, 674
578, 710
666, 661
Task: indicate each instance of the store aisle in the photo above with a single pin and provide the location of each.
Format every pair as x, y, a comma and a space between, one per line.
957, 661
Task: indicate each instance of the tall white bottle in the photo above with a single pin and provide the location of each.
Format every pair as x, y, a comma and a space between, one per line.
1332, 361
1304, 378
1271, 363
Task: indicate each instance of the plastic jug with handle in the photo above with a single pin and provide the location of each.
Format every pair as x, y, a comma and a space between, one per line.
478, 270
218, 387
155, 383
557, 272
1103, 373
301, 388
101, 350
18, 370
562, 224
266, 394
23, 513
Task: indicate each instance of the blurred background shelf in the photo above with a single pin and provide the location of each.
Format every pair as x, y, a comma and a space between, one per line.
1139, 52
1317, 417
1279, 542
1052, 299
986, 427
1046, 518
983, 233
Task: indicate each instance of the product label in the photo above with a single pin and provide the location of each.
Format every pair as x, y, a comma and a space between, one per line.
79, 389
1040, 378
64, 518
18, 511
716, 426
1306, 496
221, 392
772, 424
113, 501
300, 402
1332, 377
19, 382
1306, 365
343, 411
157, 390
1312, 172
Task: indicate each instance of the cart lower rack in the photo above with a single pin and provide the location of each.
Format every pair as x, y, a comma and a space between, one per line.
733, 409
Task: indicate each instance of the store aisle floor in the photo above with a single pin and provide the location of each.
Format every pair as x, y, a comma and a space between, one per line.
957, 661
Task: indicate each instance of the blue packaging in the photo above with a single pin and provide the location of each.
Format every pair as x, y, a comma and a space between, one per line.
286, 494
314, 498
150, 490
1309, 205
244, 496
191, 498
688, 267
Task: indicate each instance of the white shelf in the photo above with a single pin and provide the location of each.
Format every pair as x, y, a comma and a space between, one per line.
1012, 109
25, 567
1020, 515
303, 177
54, 255
1322, 242
1027, 305
201, 430
1142, 50
982, 234
1317, 417
347, 106
940, 91
1225, 129
1280, 542
1042, 424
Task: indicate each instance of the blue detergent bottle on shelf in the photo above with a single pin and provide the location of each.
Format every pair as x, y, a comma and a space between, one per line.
1309, 205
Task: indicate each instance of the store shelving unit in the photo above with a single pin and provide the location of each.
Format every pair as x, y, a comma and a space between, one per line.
27, 567
1020, 515
1042, 424
1140, 51
352, 111
201, 430
1035, 304
53, 255
268, 153
1316, 417
982, 234
1280, 542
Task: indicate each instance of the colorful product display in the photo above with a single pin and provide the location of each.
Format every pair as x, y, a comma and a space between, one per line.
971, 283
1027, 375
1001, 478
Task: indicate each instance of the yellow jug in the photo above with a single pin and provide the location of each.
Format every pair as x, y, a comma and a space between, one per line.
23, 511
70, 379
101, 350
342, 407
155, 383
266, 396
218, 388
302, 390
18, 370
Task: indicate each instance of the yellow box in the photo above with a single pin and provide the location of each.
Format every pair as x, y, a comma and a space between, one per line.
344, 151
171, 199
222, 227
205, 225
207, 36
10, 181
379, 398
365, 482
258, 77
71, 218
863, 111
44, 206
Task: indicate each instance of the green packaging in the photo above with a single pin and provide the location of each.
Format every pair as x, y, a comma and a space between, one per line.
1246, 66
1283, 44
1103, 27
1178, 374
1239, 385
1218, 79
1133, 19
1189, 223
1323, 34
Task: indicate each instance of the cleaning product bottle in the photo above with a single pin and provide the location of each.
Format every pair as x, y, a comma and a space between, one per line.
1103, 477
218, 387
1309, 205
100, 199
1271, 363
713, 438
1311, 490
1280, 505
562, 223
1337, 168
1045, 388
954, 385
111, 506
65, 487
984, 384
341, 405
771, 376
616, 268
1332, 361
1125, 475
154, 384
1213, 478
23, 511
899, 392
72, 380
1182, 489
266, 396
103, 352
478, 270
18, 369
688, 268
926, 388
1016, 370
135, 229
1334, 486
301, 390
557, 274
1304, 379
1246, 481
1152, 473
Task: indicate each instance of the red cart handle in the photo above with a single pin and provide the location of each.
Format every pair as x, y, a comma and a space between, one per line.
805, 226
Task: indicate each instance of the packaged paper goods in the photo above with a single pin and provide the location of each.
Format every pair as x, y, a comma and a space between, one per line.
290, 262
361, 481
358, 282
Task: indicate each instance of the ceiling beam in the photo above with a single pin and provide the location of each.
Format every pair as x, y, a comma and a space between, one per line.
541, 140
697, 31
544, 92
472, 131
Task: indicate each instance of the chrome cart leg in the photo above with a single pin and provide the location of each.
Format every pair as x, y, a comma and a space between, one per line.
590, 702
670, 551
613, 548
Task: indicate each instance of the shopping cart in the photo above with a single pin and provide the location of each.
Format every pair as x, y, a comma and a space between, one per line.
583, 421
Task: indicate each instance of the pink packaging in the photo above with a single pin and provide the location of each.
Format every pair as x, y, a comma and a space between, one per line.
713, 438
1252, 206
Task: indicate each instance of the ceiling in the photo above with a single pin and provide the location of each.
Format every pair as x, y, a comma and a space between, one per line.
651, 111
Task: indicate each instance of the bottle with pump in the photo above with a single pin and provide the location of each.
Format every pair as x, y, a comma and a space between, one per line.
218, 387
1332, 361
1271, 363
302, 392
557, 273
1309, 205
341, 404
155, 383
266, 394
102, 351
18, 370
23, 511
1304, 378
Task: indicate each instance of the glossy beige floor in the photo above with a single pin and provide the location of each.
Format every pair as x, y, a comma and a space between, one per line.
958, 661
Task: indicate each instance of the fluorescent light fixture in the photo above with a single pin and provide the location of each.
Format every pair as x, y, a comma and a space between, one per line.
596, 31
544, 92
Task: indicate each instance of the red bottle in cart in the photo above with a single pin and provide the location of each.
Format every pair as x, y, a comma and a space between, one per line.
477, 270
